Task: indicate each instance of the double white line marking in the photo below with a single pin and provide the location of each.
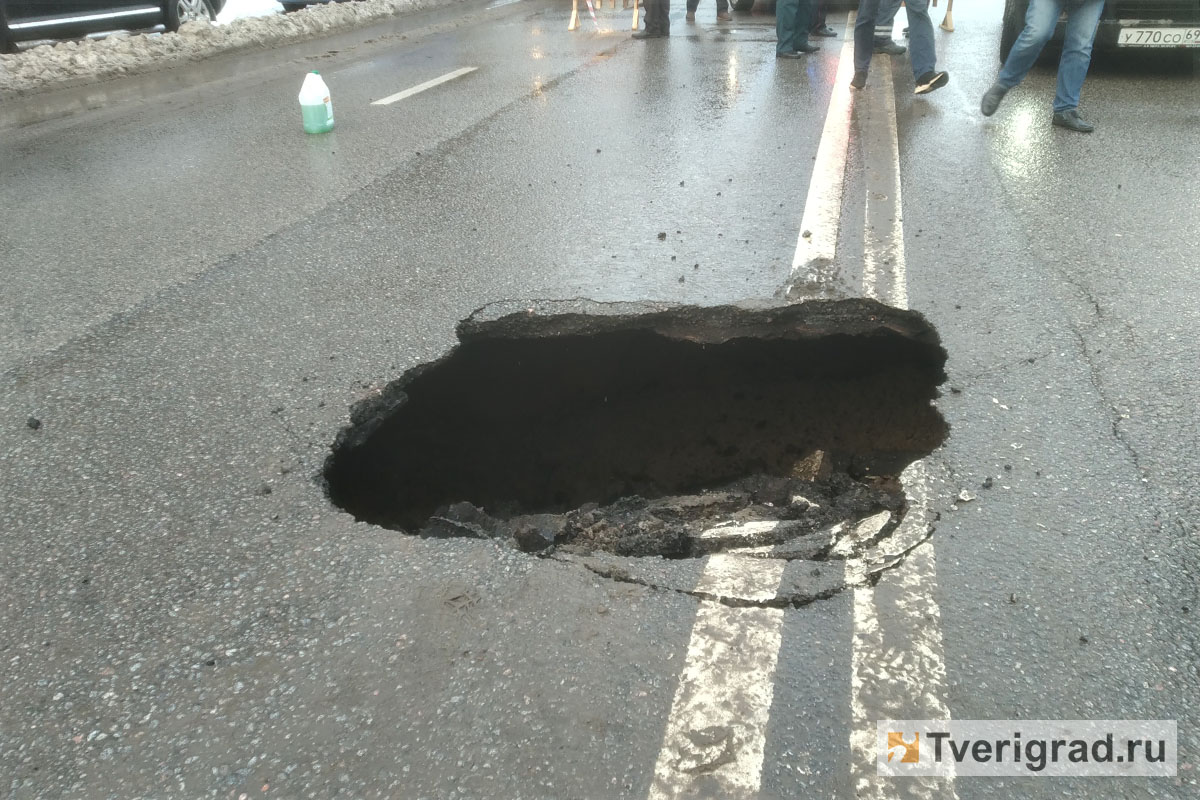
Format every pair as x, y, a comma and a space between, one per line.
716, 735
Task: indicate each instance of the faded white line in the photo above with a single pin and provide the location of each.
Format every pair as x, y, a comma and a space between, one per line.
897, 657
716, 735
449, 76
817, 243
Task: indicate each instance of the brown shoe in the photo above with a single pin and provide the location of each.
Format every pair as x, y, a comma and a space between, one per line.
724, 16
691, 16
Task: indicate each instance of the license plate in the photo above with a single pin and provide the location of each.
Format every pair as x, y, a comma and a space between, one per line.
1159, 37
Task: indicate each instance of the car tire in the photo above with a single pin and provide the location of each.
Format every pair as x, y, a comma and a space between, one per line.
743, 5
6, 43
1014, 23
177, 12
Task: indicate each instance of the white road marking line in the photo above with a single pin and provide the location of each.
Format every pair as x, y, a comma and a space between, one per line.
817, 244
449, 76
717, 730
897, 662
864, 530
883, 241
735, 530
897, 656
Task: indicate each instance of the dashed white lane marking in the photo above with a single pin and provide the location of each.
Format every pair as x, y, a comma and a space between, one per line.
717, 729
449, 76
817, 243
897, 661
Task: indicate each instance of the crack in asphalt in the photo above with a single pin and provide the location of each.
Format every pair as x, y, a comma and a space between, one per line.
620, 576
785, 601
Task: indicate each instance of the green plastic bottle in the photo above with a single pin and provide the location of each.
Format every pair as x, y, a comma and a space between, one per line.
316, 108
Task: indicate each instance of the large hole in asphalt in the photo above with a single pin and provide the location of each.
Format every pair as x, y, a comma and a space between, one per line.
637, 428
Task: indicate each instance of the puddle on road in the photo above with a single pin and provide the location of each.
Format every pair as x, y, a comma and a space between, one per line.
579, 429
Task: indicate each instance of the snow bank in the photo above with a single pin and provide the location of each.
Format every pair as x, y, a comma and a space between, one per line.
245, 9
90, 60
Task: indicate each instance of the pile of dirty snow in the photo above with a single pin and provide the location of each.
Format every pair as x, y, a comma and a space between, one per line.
91, 60
234, 10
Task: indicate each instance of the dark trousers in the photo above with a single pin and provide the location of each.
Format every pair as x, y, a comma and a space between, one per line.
818, 16
793, 20
722, 5
658, 16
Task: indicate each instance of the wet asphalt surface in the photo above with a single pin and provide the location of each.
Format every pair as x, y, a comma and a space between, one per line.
195, 294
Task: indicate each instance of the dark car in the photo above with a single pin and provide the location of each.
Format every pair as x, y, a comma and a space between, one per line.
1124, 24
29, 20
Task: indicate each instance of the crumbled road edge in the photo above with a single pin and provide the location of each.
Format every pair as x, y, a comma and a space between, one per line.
76, 62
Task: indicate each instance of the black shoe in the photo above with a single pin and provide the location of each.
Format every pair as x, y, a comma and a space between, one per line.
824, 30
991, 99
789, 54
807, 47
931, 80
859, 80
1072, 121
890, 48
648, 35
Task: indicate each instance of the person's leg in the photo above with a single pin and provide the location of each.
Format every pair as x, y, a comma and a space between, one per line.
692, 5
803, 24
662, 10
864, 34
658, 20
818, 16
1077, 53
921, 50
785, 25
885, 19
1039, 27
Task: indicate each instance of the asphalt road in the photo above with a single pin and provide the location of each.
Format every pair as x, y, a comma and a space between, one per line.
195, 294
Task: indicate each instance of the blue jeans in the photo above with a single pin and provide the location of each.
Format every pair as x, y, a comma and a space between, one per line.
1040, 21
920, 35
885, 18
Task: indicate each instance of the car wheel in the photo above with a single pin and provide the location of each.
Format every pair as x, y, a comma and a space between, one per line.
1014, 23
6, 42
743, 5
181, 11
